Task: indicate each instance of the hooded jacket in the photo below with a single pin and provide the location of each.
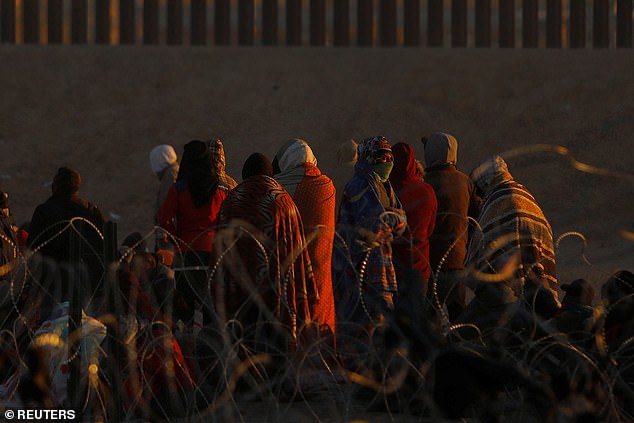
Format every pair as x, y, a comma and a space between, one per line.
420, 205
457, 200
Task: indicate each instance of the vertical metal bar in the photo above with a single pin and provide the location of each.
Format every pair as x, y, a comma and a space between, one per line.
246, 22
624, 23
55, 21
365, 23
483, 23
75, 283
79, 24
411, 22
294, 22
8, 21
530, 38
174, 22
198, 22
223, 22
577, 23
269, 22
126, 22
102, 22
387, 22
435, 17
150, 22
459, 23
601, 24
317, 22
507, 23
342, 22
553, 23
31, 21
114, 342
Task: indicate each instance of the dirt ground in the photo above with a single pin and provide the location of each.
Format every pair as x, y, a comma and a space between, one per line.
101, 110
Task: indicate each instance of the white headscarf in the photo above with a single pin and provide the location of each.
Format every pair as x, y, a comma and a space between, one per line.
162, 157
295, 153
290, 160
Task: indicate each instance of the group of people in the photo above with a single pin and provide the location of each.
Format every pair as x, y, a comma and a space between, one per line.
401, 234
287, 256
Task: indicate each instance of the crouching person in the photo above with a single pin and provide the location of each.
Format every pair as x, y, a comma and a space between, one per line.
511, 254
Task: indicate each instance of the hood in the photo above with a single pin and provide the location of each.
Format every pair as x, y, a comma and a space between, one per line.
256, 164
162, 157
441, 149
405, 166
294, 153
66, 182
490, 173
347, 152
217, 156
371, 148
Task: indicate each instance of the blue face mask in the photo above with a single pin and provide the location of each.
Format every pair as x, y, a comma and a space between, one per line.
383, 170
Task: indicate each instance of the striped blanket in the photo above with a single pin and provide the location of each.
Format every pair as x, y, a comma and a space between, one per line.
514, 234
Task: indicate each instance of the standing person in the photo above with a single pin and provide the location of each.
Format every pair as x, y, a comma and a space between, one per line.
164, 164
411, 250
457, 200
514, 241
66, 211
217, 151
370, 217
261, 268
189, 214
295, 168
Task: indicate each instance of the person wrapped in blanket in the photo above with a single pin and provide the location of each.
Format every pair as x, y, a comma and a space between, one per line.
511, 255
295, 168
370, 217
262, 280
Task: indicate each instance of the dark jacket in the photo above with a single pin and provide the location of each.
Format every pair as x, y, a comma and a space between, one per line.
457, 199
52, 216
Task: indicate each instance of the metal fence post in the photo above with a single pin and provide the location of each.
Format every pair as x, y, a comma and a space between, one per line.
507, 24
79, 24
102, 22
459, 23
150, 22
55, 21
435, 19
530, 36
113, 343
577, 23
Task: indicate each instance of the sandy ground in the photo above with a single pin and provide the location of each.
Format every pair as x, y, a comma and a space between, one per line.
101, 110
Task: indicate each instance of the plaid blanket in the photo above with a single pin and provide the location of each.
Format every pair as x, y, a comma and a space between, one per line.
513, 229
